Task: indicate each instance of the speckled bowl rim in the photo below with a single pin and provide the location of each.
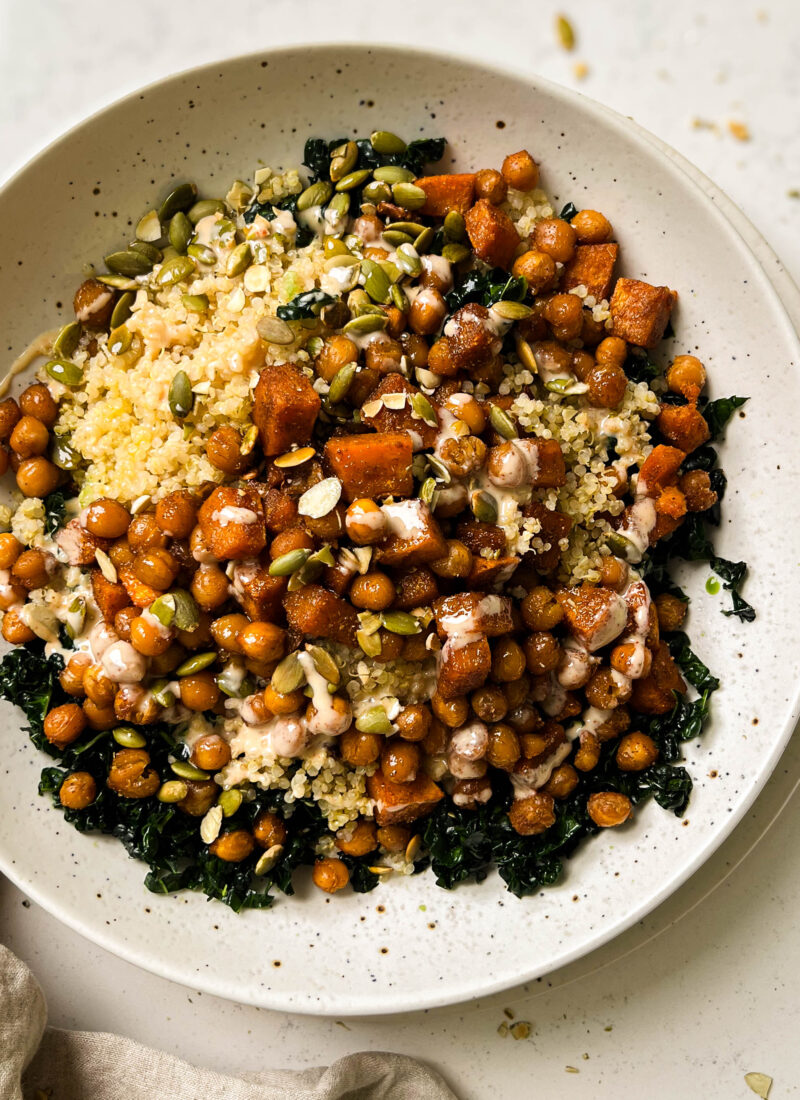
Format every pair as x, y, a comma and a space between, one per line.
720, 207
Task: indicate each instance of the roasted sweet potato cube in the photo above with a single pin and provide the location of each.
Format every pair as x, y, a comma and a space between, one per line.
659, 469
595, 615
640, 311
414, 537
232, 522
554, 527
683, 425
492, 234
280, 511
654, 694
481, 536
488, 571
446, 193
401, 803
261, 596
416, 588
592, 266
473, 613
315, 612
387, 418
109, 597
372, 465
285, 407
78, 544
464, 665
139, 593
472, 341
547, 470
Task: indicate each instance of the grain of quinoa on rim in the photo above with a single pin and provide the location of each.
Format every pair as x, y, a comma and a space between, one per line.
338, 500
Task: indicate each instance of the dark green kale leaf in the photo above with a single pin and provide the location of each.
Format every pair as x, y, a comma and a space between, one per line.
421, 152
718, 413
669, 786
55, 510
695, 671
29, 680
568, 211
639, 367
305, 305
733, 574
486, 287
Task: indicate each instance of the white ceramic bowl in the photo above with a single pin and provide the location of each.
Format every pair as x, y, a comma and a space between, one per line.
409, 944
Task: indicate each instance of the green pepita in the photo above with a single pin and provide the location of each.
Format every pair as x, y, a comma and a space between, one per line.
393, 173
185, 770
239, 260
148, 227
400, 622
229, 802
163, 608
484, 507
456, 253
172, 791
324, 664
64, 455
129, 738
567, 387
427, 492
119, 340
341, 383
187, 613
398, 297
395, 237
367, 322
66, 343
180, 397
455, 228
370, 643
182, 197
376, 192
343, 160
425, 239
334, 247
338, 208
289, 675
376, 281
268, 859
424, 410
374, 720
118, 282
511, 311
233, 683
174, 270
202, 253
162, 693
620, 546
122, 309
439, 469
337, 261
181, 232
315, 195
502, 423
409, 195
64, 371
195, 303
353, 179
168, 253
196, 663
205, 208
288, 563
249, 440
133, 353
526, 356
153, 254
408, 261
129, 263
386, 143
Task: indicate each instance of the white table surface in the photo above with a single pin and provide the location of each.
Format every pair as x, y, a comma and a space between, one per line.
714, 996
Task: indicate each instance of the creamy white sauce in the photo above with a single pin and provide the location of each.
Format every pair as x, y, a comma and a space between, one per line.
406, 518
327, 720
231, 513
576, 665
639, 526
464, 798
529, 781
122, 663
101, 636
440, 267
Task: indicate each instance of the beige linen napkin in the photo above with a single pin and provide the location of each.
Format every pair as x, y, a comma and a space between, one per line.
85, 1065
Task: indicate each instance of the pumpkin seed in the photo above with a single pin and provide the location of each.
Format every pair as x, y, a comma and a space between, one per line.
275, 331
153, 254
392, 271
211, 825
376, 282
427, 492
202, 253
195, 303
367, 322
129, 263
339, 261
398, 297
324, 664
374, 720
268, 859
455, 228
621, 546
168, 253
409, 195
456, 253
425, 239
182, 198
320, 499
163, 607
240, 195
335, 314
386, 143
174, 270
161, 692
66, 343
181, 232
287, 563
526, 356
439, 469
338, 208
423, 409
759, 1083
393, 173
413, 848
64, 371
408, 260
289, 675
312, 569
233, 683
375, 191
502, 423
484, 507
119, 340
370, 643
180, 397
343, 160
380, 870
64, 455
118, 282
353, 179
148, 227
567, 387
315, 195
122, 310
196, 663
133, 353
395, 237
249, 440
294, 458
511, 311
204, 208
332, 246
400, 622
172, 791
187, 614
239, 260
341, 383
129, 738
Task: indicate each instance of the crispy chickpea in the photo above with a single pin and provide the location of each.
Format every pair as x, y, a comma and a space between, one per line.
415, 349
148, 637
9, 417
489, 703
156, 567
611, 352
541, 610
199, 637
451, 712
29, 437
587, 756
36, 477
524, 719
582, 364
520, 171
696, 487
400, 760
435, 740
262, 641
565, 314
359, 749
293, 539
508, 660
234, 846
686, 376
224, 450
383, 355
361, 840
120, 553
365, 522
394, 838
100, 717
636, 751
99, 687
93, 304
131, 776
373, 591
562, 782
201, 794
396, 321
5, 461
591, 227
329, 527
37, 401
199, 691
537, 268
133, 704
631, 659
337, 352
107, 519
15, 630
466, 408
64, 724
533, 815
427, 312
10, 550
330, 875
145, 534
607, 809
32, 569
269, 829
614, 572
176, 513
606, 386
490, 185
542, 652
456, 563
504, 750
555, 237
391, 646
671, 611
211, 752
517, 691
282, 702
71, 676
209, 587
604, 689
413, 722
77, 791
123, 619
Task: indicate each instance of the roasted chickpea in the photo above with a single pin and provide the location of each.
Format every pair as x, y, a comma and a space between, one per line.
606, 386
466, 408
365, 522
71, 676
591, 227
37, 401
413, 722
121, 554
582, 364
282, 703
374, 591
400, 760
508, 660
328, 527
176, 514
636, 751
29, 437
671, 611
359, 749
167, 662
131, 775
415, 647
391, 646
15, 630
696, 488
133, 703
148, 636
383, 355
358, 840
489, 703
145, 534
36, 477
262, 641
330, 875
537, 268
427, 312
32, 569
394, 838
504, 749
100, 717
555, 237
209, 587
64, 724
541, 610
396, 321
10, 550
524, 718
224, 450
542, 652
9, 417
607, 809
611, 352
587, 756
234, 846
337, 352
107, 519
77, 791
269, 829
521, 171
631, 659
415, 348
93, 304
457, 562
123, 619
614, 572
686, 376
5, 461
156, 567
452, 712
518, 691
490, 185
565, 313
199, 691
605, 690
211, 752
287, 541
562, 782
201, 794
533, 815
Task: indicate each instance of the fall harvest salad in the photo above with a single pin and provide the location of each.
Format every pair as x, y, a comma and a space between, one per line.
341, 533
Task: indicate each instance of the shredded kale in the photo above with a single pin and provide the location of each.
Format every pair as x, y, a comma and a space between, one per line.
29, 680
568, 211
733, 574
718, 413
55, 510
486, 287
305, 305
639, 367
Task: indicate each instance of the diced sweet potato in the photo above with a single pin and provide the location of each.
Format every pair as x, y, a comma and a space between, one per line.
78, 544
464, 665
401, 803
671, 503
261, 596
404, 419
554, 527
315, 612
280, 511
285, 407
548, 470
232, 522
592, 266
414, 537
109, 597
416, 588
654, 693
640, 311
446, 193
139, 593
372, 465
659, 469
683, 425
492, 233
472, 341
595, 615
665, 526
481, 536
473, 613
488, 571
